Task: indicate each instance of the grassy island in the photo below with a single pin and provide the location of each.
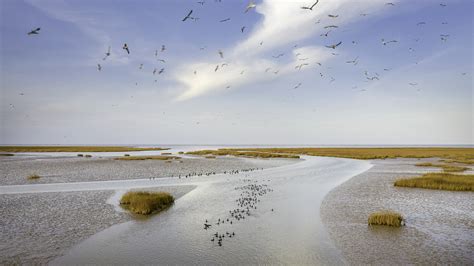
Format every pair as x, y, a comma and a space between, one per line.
389, 218
74, 149
443, 181
146, 203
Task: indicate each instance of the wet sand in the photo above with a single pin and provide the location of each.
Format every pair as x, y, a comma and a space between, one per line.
35, 228
439, 224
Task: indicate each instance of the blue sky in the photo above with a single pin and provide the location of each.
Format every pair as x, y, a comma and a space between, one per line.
53, 93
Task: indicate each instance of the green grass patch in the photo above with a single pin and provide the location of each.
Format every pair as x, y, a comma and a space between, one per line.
74, 149
146, 203
389, 218
33, 177
458, 154
142, 158
445, 167
443, 181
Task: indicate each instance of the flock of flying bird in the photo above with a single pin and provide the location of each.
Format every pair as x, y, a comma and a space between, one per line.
190, 15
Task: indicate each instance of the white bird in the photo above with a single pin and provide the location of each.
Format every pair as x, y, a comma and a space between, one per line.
297, 86
221, 54
107, 54
310, 7
250, 6
333, 46
99, 67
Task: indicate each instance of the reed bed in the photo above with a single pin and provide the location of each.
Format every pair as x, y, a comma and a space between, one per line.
456, 154
445, 167
141, 158
389, 218
146, 203
224, 152
74, 149
442, 181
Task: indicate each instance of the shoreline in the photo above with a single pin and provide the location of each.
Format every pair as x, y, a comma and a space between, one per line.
438, 223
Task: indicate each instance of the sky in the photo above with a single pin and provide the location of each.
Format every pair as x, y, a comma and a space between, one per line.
276, 83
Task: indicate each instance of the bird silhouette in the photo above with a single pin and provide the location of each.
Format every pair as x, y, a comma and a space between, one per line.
35, 31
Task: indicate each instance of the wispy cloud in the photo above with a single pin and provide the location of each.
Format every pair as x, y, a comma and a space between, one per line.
283, 23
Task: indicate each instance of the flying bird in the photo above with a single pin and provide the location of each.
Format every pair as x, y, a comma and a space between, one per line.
353, 61
278, 56
141, 66
99, 67
325, 34
188, 16
310, 7
300, 66
444, 37
333, 46
331, 26
221, 54
413, 84
250, 6
297, 86
163, 48
443, 5
387, 42
154, 71
35, 31
201, 2
217, 67
161, 60
224, 20
242, 29
161, 71
107, 54
333, 16
125, 47
390, 4
420, 23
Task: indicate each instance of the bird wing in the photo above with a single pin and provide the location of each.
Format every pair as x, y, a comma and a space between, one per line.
317, 1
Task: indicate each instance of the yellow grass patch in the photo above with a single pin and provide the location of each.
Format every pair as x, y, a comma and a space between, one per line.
74, 149
445, 167
223, 152
389, 218
33, 177
142, 202
141, 158
443, 181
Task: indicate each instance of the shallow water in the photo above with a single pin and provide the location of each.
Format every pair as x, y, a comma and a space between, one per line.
290, 234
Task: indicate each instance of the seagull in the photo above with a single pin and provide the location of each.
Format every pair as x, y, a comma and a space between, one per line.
141, 66
297, 86
444, 37
387, 42
161, 60
242, 29
325, 34
276, 72
353, 61
22, 94
161, 71
224, 20
201, 2
331, 26
154, 71
390, 4
99, 67
107, 54
420, 23
333, 16
372, 78
363, 14
303, 59
333, 46
250, 6
163, 48
125, 47
217, 67
224, 64
413, 84
443, 5
188, 15
278, 56
221, 54
35, 31
300, 66
311, 7
266, 70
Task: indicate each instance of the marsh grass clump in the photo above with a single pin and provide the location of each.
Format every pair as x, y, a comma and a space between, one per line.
443, 181
389, 218
7, 154
33, 177
166, 153
75, 149
445, 167
181, 152
141, 158
238, 153
146, 203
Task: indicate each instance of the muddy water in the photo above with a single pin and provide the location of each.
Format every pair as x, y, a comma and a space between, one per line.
291, 233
